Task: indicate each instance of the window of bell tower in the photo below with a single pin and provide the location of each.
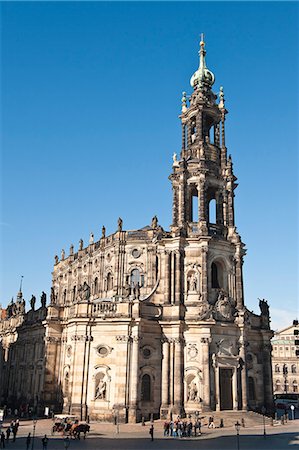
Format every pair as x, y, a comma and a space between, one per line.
212, 211
215, 276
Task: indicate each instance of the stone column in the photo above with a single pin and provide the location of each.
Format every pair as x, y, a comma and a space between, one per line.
267, 375
217, 384
172, 278
171, 373
243, 372
178, 376
178, 277
165, 378
206, 373
182, 199
189, 135
167, 277
239, 280
204, 274
174, 205
235, 388
183, 137
223, 130
134, 367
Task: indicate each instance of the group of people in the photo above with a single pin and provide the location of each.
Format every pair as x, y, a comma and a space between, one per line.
182, 428
11, 429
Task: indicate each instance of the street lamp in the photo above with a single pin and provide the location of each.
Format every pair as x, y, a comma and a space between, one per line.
33, 434
263, 412
238, 426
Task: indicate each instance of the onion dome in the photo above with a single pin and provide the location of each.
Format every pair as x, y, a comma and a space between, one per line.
203, 77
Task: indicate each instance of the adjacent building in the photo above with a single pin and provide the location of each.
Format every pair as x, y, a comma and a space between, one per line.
285, 362
22, 355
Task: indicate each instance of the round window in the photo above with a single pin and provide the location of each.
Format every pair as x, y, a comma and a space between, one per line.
135, 253
102, 351
146, 353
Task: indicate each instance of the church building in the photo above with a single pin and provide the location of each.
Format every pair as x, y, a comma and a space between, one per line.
153, 322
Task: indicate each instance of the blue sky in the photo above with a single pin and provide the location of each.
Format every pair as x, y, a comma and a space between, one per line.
90, 103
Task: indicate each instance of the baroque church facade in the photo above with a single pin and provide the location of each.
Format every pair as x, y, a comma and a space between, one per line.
151, 321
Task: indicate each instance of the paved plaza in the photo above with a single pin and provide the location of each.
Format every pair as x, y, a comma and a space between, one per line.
136, 436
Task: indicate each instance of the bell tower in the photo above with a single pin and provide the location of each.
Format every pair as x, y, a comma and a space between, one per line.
203, 182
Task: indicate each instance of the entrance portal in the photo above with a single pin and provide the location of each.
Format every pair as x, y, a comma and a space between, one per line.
226, 394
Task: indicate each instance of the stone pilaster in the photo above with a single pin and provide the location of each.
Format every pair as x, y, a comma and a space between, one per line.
165, 378
204, 273
178, 376
134, 369
206, 373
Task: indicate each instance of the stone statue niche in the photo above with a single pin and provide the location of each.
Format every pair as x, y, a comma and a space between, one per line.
192, 281
192, 389
100, 386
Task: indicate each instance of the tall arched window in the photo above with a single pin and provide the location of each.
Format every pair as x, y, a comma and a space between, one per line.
74, 293
212, 211
277, 368
96, 285
146, 388
293, 368
295, 386
215, 276
64, 296
193, 130
135, 277
109, 282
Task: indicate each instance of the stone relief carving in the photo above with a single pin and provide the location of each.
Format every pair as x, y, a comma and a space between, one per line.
226, 348
81, 338
192, 351
205, 311
224, 310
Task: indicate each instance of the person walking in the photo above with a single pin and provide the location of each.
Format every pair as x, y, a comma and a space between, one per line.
151, 432
8, 431
45, 442
2, 440
28, 440
14, 432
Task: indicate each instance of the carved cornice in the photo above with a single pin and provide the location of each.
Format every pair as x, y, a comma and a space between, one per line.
81, 338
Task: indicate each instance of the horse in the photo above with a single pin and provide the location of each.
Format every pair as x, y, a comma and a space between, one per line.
80, 428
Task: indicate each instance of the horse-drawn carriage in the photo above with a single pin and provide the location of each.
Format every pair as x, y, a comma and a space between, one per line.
70, 426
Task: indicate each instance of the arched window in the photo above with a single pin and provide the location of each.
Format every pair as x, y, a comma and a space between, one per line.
251, 388
295, 386
277, 370
193, 204
157, 267
146, 388
215, 276
95, 285
135, 278
64, 296
109, 282
293, 368
193, 130
212, 211
277, 386
74, 293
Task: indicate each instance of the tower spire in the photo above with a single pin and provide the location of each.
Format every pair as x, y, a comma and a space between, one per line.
203, 77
